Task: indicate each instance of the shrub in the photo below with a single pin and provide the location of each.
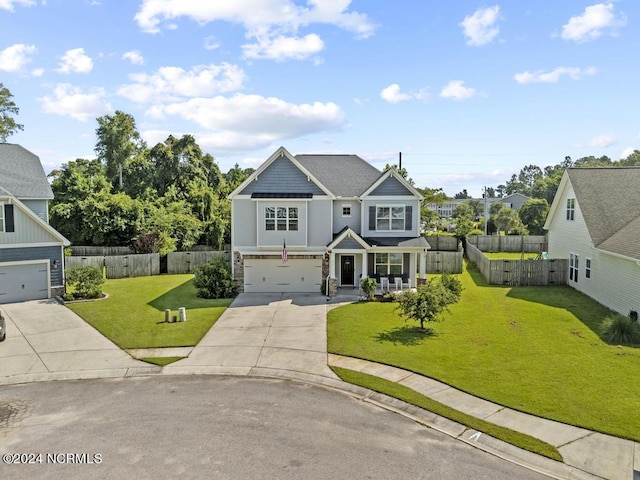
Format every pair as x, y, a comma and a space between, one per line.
213, 280
67, 297
368, 286
621, 330
86, 281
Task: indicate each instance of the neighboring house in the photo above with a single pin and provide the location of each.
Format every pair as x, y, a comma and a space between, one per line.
513, 201
338, 216
31, 251
594, 221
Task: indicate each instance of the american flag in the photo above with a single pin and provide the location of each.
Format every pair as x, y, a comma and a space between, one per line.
285, 255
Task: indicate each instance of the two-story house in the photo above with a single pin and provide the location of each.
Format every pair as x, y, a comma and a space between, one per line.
302, 221
594, 222
31, 251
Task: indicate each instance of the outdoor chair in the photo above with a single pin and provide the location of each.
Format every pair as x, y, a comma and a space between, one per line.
406, 281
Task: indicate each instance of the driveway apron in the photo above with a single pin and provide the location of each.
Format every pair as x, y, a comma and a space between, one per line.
264, 333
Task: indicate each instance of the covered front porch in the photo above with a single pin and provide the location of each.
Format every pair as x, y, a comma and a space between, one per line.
395, 263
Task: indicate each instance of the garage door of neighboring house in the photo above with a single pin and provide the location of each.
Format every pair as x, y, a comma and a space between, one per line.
272, 275
20, 282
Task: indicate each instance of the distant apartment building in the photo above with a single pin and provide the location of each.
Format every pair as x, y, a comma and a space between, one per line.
513, 201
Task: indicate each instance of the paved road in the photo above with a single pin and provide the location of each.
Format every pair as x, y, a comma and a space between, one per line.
224, 427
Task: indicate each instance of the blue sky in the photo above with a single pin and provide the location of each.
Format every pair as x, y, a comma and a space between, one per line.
469, 92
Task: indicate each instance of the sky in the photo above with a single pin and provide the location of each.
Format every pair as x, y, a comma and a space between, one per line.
469, 92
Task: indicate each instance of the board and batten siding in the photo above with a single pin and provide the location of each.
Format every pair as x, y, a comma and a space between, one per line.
27, 230
320, 229
372, 202
390, 187
244, 222
39, 207
50, 254
352, 221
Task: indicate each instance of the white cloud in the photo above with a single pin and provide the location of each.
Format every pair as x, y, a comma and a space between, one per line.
456, 89
627, 151
252, 121
70, 101
15, 57
553, 76
602, 141
173, 83
134, 56
271, 26
75, 61
8, 4
480, 27
593, 21
392, 94
210, 43
282, 48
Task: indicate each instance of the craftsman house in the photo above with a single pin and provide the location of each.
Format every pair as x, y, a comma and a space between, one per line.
299, 222
594, 221
31, 251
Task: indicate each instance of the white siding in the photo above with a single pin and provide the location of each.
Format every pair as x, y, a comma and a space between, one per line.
320, 229
614, 282
244, 222
339, 222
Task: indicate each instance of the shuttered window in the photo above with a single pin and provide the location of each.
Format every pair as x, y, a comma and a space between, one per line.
6, 218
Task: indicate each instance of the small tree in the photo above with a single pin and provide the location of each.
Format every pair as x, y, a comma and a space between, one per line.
368, 286
213, 280
430, 300
8, 125
86, 281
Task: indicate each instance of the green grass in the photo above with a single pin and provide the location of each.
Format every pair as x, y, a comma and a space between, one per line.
509, 255
534, 349
133, 315
403, 393
161, 361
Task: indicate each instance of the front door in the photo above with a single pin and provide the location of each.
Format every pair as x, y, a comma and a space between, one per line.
347, 269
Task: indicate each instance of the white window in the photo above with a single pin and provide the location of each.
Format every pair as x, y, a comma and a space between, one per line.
587, 267
281, 218
571, 208
574, 267
389, 263
390, 218
346, 210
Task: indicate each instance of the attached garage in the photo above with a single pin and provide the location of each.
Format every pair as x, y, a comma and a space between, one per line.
272, 275
24, 281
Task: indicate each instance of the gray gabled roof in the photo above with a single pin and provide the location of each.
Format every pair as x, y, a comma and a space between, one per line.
21, 173
609, 199
343, 175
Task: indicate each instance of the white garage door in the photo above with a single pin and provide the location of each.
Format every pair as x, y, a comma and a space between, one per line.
23, 282
271, 275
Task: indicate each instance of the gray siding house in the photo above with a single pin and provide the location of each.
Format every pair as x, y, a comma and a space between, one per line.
594, 222
302, 221
31, 251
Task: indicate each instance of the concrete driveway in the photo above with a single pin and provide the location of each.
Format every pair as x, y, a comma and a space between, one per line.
46, 340
269, 333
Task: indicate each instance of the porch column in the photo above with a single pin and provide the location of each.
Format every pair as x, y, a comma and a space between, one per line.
423, 265
365, 266
332, 264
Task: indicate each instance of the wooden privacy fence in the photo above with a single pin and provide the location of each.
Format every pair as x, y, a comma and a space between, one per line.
89, 251
443, 243
444, 262
120, 266
184, 262
509, 243
519, 272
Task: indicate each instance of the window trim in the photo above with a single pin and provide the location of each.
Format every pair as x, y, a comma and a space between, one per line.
571, 208
391, 218
2, 219
574, 267
587, 268
388, 263
346, 215
291, 223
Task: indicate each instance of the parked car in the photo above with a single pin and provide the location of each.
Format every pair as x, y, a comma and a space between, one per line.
3, 330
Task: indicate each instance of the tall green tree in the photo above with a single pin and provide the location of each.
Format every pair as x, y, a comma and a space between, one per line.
118, 141
8, 109
533, 214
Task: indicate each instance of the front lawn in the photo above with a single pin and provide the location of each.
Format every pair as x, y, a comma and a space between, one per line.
534, 349
133, 315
